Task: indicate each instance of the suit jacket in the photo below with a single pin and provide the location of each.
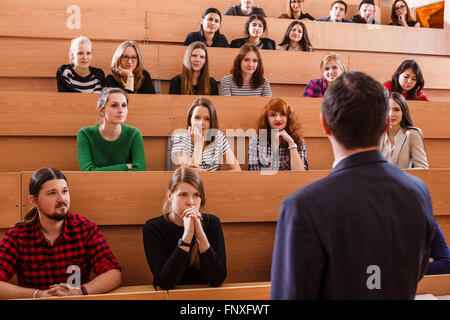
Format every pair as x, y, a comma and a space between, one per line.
409, 150
334, 233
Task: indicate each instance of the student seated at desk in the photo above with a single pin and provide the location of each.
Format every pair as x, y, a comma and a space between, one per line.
401, 16
246, 8
408, 80
295, 8
52, 245
331, 68
79, 75
111, 145
184, 245
278, 144
194, 78
128, 71
254, 28
247, 75
209, 30
402, 144
203, 147
366, 13
296, 38
338, 10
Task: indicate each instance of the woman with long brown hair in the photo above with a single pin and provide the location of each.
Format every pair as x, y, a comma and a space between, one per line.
401, 15
194, 78
279, 144
128, 71
185, 245
247, 75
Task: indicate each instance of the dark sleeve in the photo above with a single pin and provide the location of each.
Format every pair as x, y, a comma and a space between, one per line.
100, 75
236, 43
309, 17
440, 254
271, 44
298, 260
167, 267
213, 264
61, 83
175, 85
147, 84
222, 42
229, 11
260, 11
189, 39
214, 88
110, 82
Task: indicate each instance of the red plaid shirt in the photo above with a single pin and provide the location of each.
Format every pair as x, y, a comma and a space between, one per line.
38, 264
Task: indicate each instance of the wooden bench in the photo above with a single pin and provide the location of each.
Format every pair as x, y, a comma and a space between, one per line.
437, 285
45, 125
31, 64
248, 212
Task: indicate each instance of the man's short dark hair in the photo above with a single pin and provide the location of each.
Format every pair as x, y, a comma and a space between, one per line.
356, 109
341, 2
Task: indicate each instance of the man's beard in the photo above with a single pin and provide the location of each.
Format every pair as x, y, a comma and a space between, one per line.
57, 216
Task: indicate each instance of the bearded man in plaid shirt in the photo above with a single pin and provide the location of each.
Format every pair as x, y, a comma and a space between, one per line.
54, 251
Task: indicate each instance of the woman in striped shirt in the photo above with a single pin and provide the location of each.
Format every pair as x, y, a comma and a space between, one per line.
247, 75
79, 75
202, 147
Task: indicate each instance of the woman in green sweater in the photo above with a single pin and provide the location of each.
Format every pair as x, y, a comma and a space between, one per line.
111, 145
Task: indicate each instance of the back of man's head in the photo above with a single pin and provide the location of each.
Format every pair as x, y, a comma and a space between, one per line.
356, 108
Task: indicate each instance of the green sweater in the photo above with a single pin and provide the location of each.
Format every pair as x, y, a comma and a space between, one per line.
97, 154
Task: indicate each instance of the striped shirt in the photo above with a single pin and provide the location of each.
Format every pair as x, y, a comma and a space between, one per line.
38, 264
70, 81
229, 88
260, 156
212, 154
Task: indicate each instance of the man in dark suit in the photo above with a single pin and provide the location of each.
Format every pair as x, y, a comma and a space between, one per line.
364, 231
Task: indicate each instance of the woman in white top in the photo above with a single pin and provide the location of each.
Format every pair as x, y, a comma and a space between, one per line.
402, 144
247, 75
203, 147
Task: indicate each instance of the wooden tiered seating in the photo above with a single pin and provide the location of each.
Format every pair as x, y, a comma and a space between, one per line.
121, 202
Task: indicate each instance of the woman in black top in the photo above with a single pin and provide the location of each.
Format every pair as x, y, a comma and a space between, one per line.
295, 11
209, 30
255, 26
79, 75
128, 71
194, 78
185, 246
401, 16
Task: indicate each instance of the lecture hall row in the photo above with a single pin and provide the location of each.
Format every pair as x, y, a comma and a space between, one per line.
249, 228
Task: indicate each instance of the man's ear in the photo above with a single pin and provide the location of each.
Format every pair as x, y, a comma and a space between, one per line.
324, 125
33, 201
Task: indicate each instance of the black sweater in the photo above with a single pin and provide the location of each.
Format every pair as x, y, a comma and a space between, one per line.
169, 263
175, 86
146, 86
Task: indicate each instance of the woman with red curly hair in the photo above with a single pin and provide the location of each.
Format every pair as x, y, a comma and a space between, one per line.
279, 144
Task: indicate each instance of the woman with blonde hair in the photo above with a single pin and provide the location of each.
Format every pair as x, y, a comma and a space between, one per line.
194, 78
111, 145
184, 245
279, 144
331, 68
79, 75
128, 71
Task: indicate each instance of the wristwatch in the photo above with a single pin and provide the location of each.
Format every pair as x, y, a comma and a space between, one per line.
181, 243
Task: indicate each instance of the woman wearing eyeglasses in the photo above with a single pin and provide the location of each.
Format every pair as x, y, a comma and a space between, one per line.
295, 11
401, 16
128, 70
